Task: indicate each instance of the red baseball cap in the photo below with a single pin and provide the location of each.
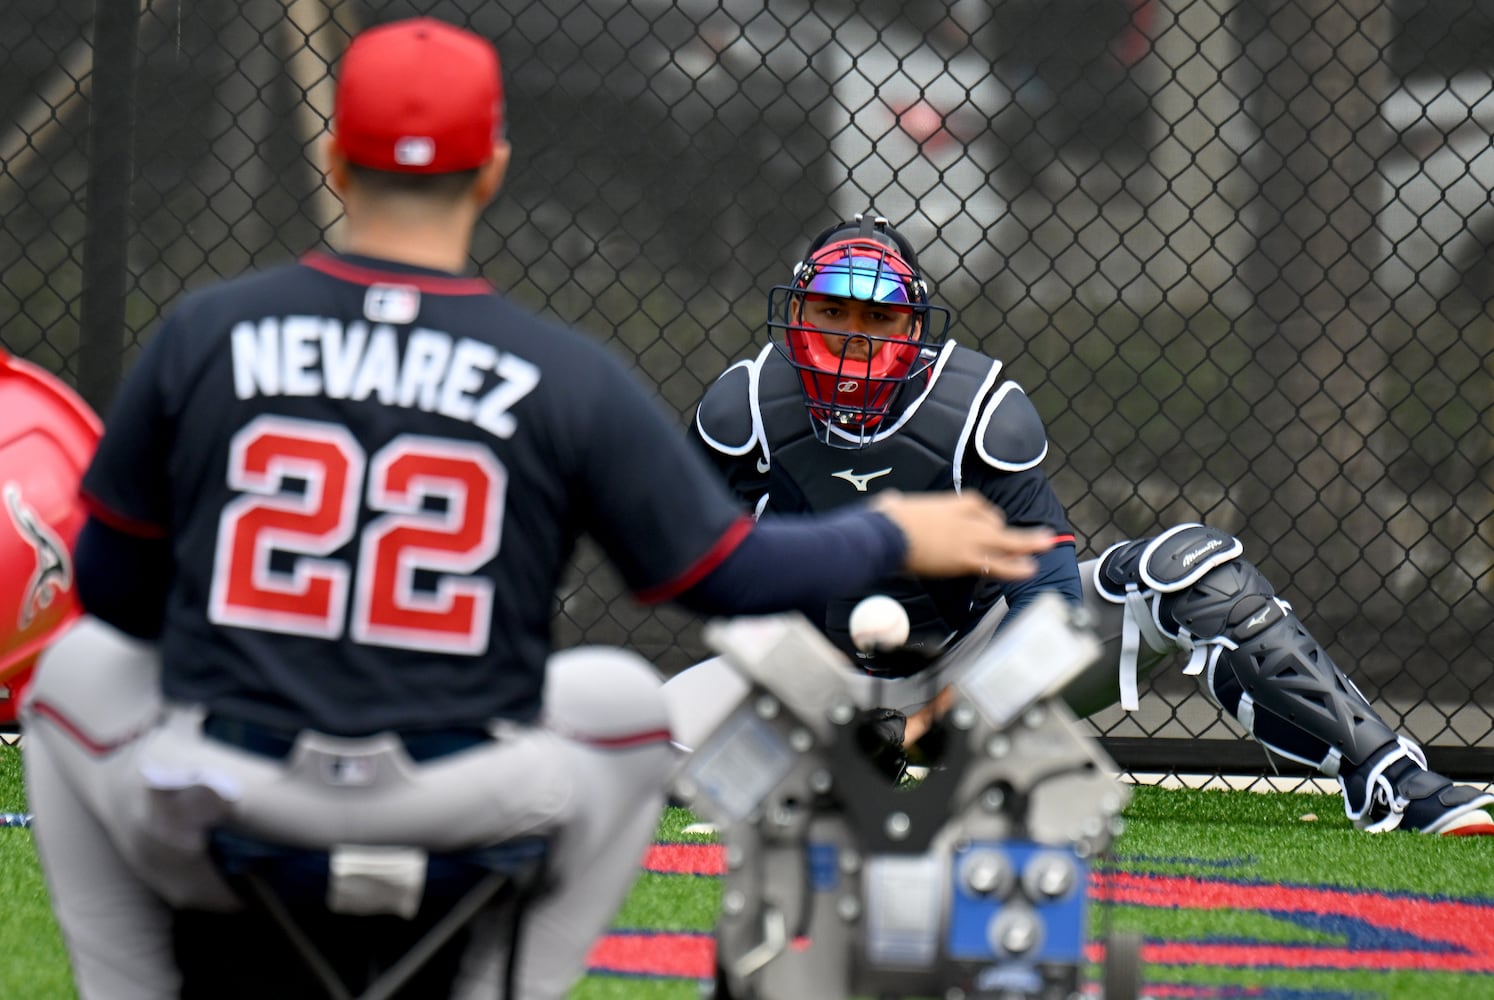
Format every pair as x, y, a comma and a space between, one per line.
418, 96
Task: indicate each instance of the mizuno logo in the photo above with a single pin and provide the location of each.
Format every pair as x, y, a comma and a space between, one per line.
1259, 619
1199, 553
53, 573
860, 480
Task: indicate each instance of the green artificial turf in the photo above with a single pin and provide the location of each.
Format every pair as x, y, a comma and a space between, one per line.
32, 963
1297, 841
1264, 837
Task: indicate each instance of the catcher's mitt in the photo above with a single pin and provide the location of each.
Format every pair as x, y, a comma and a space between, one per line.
879, 735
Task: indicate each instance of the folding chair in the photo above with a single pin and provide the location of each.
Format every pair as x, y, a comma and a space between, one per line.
365, 923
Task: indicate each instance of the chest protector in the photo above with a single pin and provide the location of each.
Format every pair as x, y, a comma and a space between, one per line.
921, 450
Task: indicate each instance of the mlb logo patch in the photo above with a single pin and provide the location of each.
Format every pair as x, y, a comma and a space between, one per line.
348, 771
395, 304
415, 151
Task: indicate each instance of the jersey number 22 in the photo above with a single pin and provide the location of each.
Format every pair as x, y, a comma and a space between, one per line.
373, 597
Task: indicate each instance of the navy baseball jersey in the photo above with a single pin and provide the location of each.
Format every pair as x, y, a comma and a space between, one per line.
372, 477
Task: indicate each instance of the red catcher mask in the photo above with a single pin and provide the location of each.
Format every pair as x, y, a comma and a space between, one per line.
848, 395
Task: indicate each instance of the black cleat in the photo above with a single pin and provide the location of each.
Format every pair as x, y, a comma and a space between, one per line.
1398, 792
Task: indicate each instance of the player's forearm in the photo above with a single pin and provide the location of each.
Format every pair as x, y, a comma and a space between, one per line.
122, 578
789, 563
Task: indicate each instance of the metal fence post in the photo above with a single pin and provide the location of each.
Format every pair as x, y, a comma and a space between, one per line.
106, 236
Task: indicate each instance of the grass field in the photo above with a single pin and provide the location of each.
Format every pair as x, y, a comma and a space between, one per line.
1237, 894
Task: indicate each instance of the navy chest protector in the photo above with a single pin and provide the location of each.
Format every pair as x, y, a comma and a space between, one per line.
920, 450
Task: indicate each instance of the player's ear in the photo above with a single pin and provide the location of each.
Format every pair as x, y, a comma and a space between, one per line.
490, 175
335, 163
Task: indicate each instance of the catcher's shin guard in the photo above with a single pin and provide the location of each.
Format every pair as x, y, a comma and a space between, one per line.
1188, 588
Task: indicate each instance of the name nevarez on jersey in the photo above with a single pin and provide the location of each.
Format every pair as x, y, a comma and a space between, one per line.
435, 372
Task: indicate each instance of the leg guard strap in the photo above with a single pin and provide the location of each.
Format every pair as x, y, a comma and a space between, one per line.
1135, 573
1362, 791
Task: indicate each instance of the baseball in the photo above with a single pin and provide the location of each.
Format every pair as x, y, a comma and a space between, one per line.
878, 622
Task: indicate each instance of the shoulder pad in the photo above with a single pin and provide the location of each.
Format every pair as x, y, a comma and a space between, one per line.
1010, 435
724, 418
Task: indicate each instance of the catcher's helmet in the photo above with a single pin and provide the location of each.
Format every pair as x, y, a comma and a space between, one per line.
48, 437
868, 261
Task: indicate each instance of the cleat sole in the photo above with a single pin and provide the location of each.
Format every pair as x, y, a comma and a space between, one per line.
1475, 823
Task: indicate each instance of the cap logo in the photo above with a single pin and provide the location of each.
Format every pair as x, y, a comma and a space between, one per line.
415, 151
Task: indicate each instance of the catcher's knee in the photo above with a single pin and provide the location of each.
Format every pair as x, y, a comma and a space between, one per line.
1157, 578
1165, 563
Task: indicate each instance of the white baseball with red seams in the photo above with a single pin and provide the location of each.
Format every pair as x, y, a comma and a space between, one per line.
878, 622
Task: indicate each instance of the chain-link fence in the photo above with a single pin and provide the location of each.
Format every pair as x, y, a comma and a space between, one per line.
1238, 251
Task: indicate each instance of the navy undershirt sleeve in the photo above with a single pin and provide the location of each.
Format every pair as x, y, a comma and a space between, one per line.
838, 554
1058, 572
122, 578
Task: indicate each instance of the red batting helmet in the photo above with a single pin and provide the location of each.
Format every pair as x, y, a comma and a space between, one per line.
47, 438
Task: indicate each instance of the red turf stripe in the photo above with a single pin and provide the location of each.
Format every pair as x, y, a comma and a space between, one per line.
686, 956
1469, 926
685, 859
1464, 925
1269, 956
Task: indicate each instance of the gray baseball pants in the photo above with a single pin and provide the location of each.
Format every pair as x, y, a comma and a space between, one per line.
125, 787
